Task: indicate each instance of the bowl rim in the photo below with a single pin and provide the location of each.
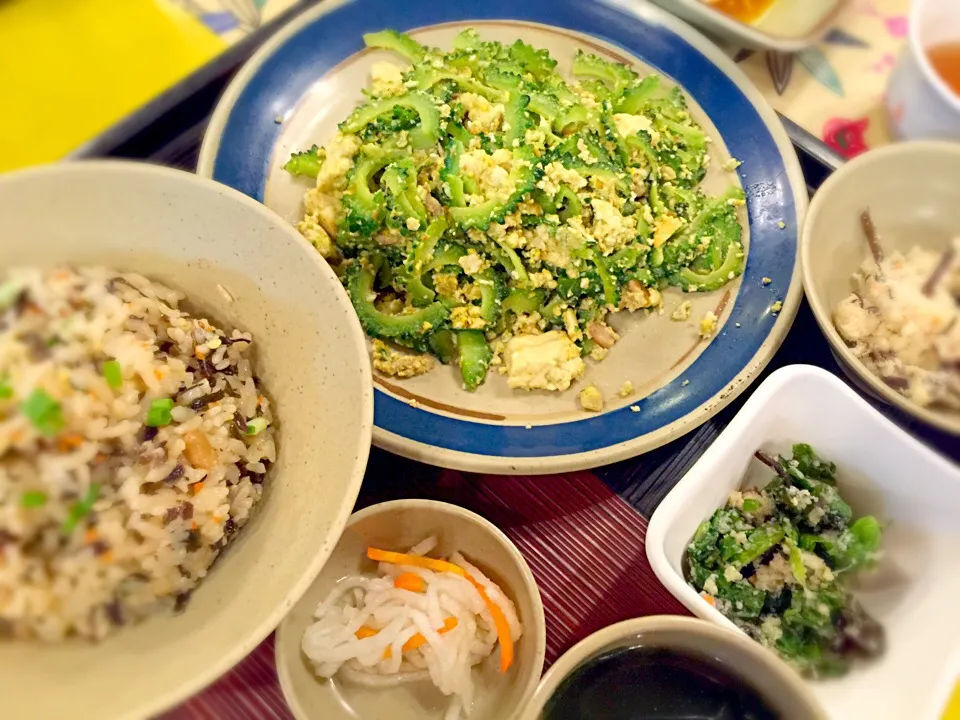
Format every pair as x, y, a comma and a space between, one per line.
595, 643
822, 313
200, 678
530, 585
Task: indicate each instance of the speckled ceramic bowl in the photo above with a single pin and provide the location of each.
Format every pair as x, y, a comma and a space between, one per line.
197, 236
399, 525
913, 196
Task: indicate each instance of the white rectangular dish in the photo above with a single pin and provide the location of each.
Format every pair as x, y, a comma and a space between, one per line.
882, 471
788, 26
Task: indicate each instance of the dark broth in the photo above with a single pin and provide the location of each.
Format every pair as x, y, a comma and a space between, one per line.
643, 683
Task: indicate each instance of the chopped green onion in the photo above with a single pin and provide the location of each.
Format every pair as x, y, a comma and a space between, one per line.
9, 291
750, 505
159, 413
43, 412
113, 374
33, 499
80, 509
6, 389
256, 426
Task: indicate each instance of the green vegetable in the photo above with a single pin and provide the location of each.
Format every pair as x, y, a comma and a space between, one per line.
9, 292
474, 356
487, 148
256, 426
306, 163
43, 412
6, 389
79, 510
112, 373
780, 575
400, 43
159, 413
33, 499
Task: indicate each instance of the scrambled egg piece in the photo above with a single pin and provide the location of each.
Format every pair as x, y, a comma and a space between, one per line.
682, 313
387, 79
311, 229
708, 324
482, 115
637, 297
397, 364
664, 227
628, 125
555, 175
467, 317
611, 229
492, 172
591, 399
472, 263
549, 361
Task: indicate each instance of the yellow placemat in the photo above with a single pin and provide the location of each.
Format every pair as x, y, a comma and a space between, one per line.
72, 68
835, 89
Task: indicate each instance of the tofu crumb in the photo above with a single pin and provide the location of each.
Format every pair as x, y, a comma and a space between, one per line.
399, 364
766, 281
731, 574
528, 427
682, 312
413, 224
736, 324
634, 408
708, 325
626, 390
710, 585
776, 307
684, 383
731, 165
591, 399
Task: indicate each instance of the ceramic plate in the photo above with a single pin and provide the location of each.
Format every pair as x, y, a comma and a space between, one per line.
309, 76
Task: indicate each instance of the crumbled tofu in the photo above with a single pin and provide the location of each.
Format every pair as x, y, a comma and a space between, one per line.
446, 284
731, 165
482, 115
467, 317
611, 230
637, 297
771, 630
413, 224
708, 325
491, 171
311, 229
766, 281
591, 399
635, 408
549, 361
731, 574
628, 125
664, 227
340, 153
626, 390
682, 312
556, 175
710, 585
815, 515
571, 325
774, 575
777, 306
387, 79
472, 263
399, 364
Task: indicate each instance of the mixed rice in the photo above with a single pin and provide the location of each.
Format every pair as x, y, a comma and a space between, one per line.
134, 442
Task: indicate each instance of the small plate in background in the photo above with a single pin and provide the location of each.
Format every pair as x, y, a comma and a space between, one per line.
787, 26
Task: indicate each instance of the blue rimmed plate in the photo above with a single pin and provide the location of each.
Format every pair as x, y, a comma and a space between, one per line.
309, 76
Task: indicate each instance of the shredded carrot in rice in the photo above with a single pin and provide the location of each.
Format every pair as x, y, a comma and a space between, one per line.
193, 525
70, 441
90, 536
107, 557
158, 374
196, 488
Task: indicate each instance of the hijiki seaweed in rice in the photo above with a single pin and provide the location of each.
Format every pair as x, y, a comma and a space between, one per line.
134, 442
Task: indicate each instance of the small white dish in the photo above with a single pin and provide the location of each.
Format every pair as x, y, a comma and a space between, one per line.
918, 102
881, 471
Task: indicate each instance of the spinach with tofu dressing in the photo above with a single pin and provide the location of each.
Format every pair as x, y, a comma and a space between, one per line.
477, 197
775, 560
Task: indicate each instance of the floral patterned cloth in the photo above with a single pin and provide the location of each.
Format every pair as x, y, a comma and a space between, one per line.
835, 89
